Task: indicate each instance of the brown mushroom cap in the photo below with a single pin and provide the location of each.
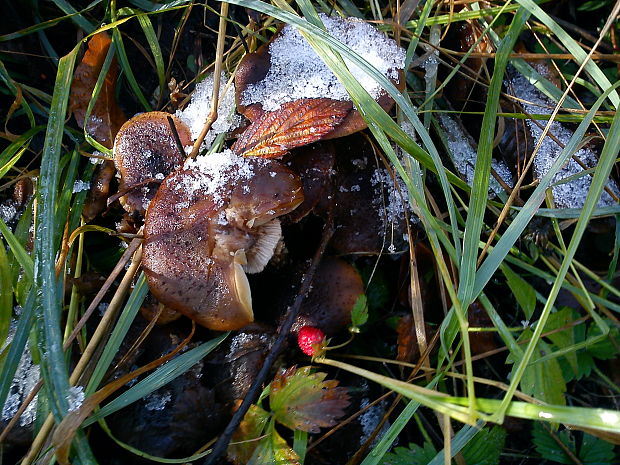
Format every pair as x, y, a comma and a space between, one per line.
145, 151
336, 287
201, 233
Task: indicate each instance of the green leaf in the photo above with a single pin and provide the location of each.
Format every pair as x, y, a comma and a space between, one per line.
246, 439
412, 455
359, 314
486, 447
273, 450
595, 451
543, 380
303, 400
564, 338
522, 290
548, 448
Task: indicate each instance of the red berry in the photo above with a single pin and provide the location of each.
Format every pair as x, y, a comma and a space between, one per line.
308, 338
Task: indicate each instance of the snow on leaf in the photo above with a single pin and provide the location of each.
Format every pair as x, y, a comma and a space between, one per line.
304, 401
106, 116
246, 439
294, 124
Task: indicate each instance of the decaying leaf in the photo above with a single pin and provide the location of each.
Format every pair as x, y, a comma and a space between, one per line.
106, 117
246, 438
294, 124
304, 401
273, 450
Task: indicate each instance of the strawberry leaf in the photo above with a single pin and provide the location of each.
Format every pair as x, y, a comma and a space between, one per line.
273, 450
303, 400
245, 441
294, 124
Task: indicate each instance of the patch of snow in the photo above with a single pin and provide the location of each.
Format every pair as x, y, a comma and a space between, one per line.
196, 112
79, 186
464, 156
297, 72
157, 400
8, 212
211, 173
570, 194
390, 198
26, 377
75, 397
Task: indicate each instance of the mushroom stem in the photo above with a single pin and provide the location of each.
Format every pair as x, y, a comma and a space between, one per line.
222, 443
217, 74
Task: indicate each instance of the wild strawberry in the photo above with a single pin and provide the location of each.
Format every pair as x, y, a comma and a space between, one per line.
310, 340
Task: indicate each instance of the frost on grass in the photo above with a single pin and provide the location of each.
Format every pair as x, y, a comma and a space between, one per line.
75, 397
464, 156
79, 186
297, 72
195, 114
570, 194
26, 377
157, 400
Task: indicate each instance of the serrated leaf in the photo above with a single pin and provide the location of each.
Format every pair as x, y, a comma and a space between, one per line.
548, 448
294, 124
303, 400
564, 338
594, 451
485, 447
246, 439
106, 117
522, 290
543, 380
359, 314
273, 450
412, 455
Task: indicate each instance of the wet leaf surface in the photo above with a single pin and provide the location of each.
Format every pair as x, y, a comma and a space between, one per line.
294, 124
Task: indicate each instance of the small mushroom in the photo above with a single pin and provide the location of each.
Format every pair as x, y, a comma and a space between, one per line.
145, 152
209, 224
336, 287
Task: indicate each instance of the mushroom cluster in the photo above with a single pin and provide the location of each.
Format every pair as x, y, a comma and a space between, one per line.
210, 220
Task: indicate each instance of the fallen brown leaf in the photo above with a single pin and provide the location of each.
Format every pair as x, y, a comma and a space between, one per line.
106, 117
294, 124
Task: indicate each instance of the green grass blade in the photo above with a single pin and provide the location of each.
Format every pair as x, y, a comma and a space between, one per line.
138, 294
6, 294
479, 195
18, 251
573, 47
117, 40
160, 377
151, 38
601, 177
460, 440
520, 222
75, 16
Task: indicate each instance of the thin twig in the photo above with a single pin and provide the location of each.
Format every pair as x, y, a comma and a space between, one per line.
217, 77
175, 134
283, 331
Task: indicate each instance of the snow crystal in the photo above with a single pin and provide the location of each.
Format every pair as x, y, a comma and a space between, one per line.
8, 212
390, 198
195, 114
212, 172
79, 186
570, 194
75, 397
464, 156
26, 377
157, 400
297, 72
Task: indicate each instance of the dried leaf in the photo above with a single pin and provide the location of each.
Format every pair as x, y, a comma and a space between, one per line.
302, 400
247, 437
106, 117
294, 124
